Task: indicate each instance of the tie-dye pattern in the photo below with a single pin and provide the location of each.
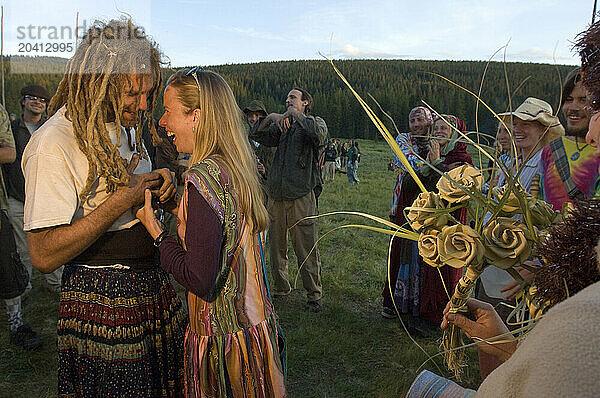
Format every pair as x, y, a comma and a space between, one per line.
584, 172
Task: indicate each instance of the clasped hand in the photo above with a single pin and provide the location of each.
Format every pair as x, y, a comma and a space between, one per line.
284, 121
160, 182
434, 150
146, 215
482, 322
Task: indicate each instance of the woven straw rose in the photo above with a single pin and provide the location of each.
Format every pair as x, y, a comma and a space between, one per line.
459, 246
428, 247
507, 242
542, 213
512, 205
465, 175
421, 214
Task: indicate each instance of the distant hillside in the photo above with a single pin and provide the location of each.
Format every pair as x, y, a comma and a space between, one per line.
20, 64
23, 70
397, 85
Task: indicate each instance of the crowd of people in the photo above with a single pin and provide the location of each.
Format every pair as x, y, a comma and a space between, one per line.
559, 167
90, 197
98, 166
555, 167
338, 157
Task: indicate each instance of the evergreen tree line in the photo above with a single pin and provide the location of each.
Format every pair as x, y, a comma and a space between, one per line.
397, 85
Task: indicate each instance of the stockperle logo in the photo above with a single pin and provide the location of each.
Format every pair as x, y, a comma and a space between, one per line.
70, 33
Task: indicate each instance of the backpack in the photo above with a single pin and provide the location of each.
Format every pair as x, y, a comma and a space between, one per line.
13, 274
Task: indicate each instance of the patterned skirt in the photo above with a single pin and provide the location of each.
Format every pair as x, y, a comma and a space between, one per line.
246, 364
120, 334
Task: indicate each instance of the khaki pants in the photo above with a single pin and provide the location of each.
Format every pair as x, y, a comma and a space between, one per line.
284, 214
328, 171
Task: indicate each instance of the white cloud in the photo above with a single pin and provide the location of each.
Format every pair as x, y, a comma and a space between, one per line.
251, 32
350, 51
536, 54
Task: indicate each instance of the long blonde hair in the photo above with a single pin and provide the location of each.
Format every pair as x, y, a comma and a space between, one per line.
220, 131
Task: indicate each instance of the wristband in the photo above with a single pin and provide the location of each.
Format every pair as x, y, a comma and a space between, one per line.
160, 238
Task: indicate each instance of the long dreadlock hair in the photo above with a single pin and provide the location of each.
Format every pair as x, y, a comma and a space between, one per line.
93, 90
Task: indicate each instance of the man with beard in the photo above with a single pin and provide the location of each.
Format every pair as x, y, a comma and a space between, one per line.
34, 99
570, 167
120, 324
290, 186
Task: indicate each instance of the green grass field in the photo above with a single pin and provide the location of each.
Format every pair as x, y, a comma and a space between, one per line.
346, 350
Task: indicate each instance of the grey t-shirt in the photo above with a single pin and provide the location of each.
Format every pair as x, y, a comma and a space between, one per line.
32, 127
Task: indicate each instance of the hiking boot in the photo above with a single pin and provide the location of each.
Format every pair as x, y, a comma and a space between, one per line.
388, 313
25, 337
313, 306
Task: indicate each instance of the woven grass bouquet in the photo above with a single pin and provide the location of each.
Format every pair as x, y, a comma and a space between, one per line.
493, 236
498, 240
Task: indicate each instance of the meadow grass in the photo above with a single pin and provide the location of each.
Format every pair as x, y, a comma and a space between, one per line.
346, 350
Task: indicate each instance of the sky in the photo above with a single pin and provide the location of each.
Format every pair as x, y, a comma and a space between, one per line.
210, 32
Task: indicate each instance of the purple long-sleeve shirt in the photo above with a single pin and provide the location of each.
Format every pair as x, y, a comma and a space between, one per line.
195, 268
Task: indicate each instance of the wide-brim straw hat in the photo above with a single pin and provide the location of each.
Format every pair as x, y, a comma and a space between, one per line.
534, 109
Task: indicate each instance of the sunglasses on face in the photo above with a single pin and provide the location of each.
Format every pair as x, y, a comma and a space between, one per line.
193, 72
34, 98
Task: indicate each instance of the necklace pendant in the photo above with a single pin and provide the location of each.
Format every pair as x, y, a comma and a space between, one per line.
575, 156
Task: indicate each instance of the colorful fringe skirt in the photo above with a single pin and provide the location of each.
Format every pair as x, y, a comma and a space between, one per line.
120, 334
246, 364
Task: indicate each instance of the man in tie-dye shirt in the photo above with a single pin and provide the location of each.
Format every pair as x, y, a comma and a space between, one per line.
578, 155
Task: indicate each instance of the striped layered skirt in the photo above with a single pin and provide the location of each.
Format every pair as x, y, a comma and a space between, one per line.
120, 334
247, 364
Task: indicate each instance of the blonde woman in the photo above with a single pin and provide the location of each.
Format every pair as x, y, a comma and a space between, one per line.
232, 346
534, 125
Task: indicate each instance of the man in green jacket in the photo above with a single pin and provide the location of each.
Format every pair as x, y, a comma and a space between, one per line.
291, 184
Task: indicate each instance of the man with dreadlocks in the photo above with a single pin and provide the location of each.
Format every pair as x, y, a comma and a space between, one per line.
120, 327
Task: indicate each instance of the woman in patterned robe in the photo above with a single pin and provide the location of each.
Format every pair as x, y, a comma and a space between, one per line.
414, 147
233, 346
